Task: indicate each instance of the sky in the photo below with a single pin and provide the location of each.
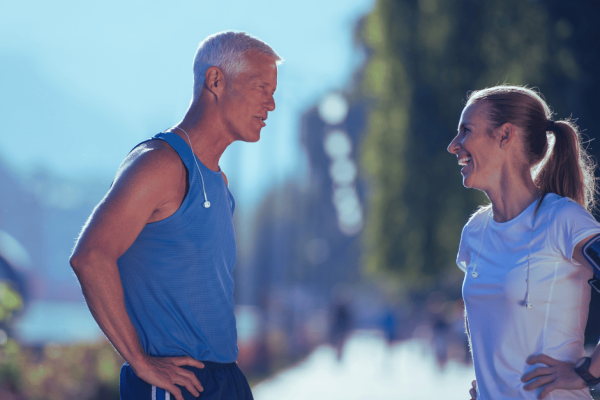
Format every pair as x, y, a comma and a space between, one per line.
81, 83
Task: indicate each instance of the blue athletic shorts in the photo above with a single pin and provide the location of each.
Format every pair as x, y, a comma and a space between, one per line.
220, 382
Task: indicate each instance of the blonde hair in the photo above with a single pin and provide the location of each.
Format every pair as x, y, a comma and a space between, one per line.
568, 170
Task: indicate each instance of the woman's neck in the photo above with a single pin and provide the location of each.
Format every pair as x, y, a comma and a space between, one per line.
512, 197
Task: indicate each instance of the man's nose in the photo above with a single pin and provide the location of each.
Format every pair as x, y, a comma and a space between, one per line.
270, 104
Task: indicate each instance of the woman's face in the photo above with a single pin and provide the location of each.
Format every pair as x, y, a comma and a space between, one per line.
477, 151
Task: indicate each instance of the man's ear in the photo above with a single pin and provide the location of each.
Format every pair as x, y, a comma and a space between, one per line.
214, 81
506, 134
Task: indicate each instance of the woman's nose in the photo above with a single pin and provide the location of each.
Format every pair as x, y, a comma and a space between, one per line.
454, 145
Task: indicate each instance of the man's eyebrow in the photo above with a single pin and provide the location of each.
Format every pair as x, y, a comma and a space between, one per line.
268, 84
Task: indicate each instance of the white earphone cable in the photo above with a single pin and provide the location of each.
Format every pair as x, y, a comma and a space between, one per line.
206, 203
474, 272
528, 304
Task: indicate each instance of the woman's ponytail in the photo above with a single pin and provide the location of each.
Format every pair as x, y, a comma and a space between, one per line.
569, 171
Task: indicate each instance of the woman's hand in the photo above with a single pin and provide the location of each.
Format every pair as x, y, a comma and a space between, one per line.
473, 390
557, 375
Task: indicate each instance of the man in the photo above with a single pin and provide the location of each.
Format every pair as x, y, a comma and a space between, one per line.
155, 259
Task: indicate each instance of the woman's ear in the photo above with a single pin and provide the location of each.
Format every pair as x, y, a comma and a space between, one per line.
506, 134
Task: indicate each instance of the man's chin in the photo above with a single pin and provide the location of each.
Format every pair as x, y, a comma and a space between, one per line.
253, 138
249, 137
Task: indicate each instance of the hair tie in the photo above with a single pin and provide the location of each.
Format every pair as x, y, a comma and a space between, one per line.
550, 125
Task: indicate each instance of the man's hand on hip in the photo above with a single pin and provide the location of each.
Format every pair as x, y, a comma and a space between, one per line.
166, 372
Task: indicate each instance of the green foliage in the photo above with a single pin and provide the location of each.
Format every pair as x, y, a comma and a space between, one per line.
78, 372
53, 372
10, 301
424, 57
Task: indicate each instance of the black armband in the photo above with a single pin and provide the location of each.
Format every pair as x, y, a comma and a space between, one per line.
591, 252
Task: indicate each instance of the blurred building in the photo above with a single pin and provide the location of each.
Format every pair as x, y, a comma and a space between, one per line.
331, 133
295, 285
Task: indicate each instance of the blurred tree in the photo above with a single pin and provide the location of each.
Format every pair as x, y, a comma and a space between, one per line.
12, 297
51, 372
10, 301
425, 56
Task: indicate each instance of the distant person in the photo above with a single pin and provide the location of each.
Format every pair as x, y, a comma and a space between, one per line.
525, 287
441, 331
388, 324
341, 326
155, 260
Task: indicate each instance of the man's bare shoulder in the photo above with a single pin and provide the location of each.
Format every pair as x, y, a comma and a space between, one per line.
155, 168
153, 160
151, 181
154, 155
149, 186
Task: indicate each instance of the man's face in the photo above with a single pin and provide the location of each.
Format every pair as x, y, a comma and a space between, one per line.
249, 97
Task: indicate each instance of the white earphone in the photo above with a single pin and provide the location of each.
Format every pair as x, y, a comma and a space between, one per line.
206, 203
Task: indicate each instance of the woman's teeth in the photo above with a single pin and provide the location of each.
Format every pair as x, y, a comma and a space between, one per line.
464, 161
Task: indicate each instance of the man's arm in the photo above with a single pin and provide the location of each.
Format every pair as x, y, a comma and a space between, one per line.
148, 187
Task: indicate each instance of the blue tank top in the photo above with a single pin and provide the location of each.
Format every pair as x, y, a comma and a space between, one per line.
178, 274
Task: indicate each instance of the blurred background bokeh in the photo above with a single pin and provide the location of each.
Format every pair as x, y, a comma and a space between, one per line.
349, 208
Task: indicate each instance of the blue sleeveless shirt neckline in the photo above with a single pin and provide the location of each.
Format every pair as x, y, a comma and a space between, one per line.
177, 276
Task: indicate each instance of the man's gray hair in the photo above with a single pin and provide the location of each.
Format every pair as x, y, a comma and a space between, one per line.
226, 50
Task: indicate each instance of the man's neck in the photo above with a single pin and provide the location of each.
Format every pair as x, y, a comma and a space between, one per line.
207, 135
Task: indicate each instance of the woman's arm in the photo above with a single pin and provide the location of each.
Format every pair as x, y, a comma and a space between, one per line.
561, 374
578, 256
473, 390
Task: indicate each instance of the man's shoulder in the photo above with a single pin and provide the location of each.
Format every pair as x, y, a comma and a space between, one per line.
153, 156
154, 150
151, 164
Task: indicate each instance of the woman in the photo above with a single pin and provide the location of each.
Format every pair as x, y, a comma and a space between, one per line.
525, 288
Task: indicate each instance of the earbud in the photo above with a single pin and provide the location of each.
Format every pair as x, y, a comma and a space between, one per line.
474, 274
206, 203
528, 305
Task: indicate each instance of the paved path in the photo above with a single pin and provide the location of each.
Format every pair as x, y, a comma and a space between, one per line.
369, 369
